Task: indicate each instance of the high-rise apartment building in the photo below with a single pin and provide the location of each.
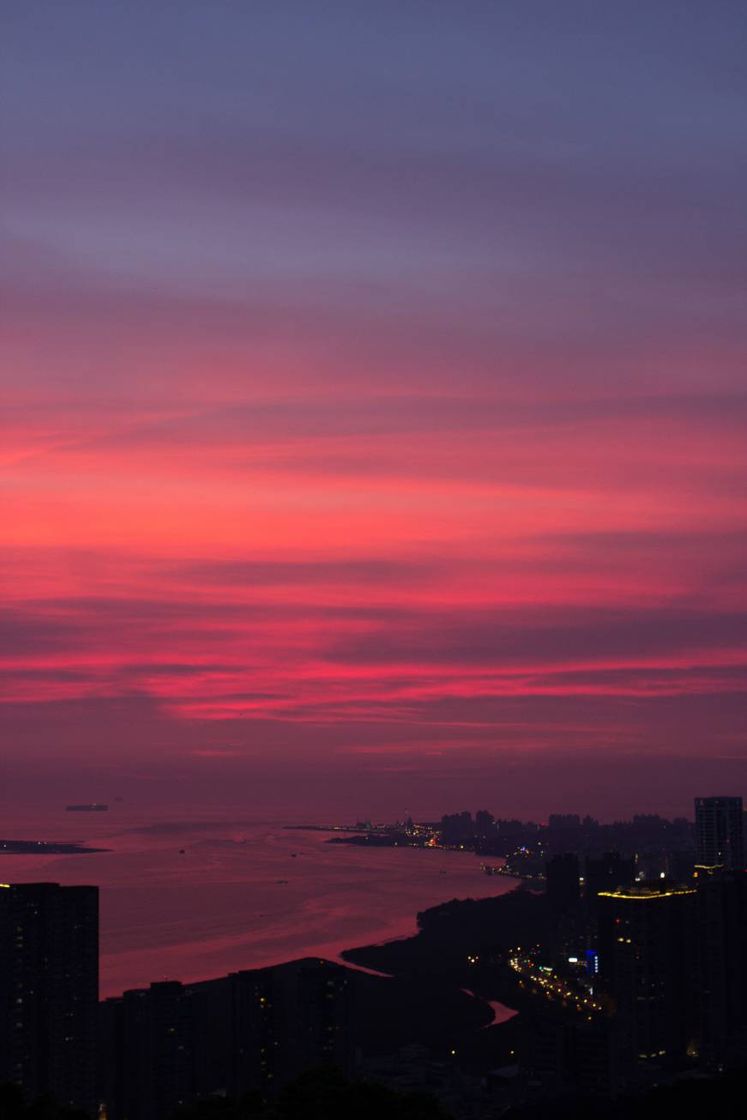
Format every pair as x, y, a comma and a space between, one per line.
147, 1060
648, 961
606, 873
722, 966
563, 882
49, 991
719, 832
289, 1019
171, 1044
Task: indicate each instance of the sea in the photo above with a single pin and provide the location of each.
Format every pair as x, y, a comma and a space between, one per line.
193, 893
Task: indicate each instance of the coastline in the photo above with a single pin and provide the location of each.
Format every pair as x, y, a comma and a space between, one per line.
46, 848
190, 900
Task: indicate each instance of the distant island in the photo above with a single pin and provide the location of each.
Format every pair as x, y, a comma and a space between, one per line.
88, 807
44, 847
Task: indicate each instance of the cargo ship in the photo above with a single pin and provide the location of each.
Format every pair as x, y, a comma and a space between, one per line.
89, 807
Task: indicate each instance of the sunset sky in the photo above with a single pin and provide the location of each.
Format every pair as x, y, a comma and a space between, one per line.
374, 401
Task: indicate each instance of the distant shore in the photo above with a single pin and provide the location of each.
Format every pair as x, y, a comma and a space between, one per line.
45, 847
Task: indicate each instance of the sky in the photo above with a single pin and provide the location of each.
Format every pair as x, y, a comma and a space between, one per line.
374, 402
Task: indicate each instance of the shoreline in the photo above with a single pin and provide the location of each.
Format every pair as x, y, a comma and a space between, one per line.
46, 848
354, 960
219, 907
332, 951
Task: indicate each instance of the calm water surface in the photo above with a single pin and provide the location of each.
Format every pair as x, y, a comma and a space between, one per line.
188, 895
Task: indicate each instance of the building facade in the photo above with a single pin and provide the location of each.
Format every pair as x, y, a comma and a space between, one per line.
648, 967
49, 991
719, 832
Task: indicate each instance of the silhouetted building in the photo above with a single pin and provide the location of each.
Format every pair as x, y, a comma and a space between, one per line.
607, 873
562, 821
457, 828
211, 1036
49, 991
563, 889
147, 1066
647, 964
172, 1044
484, 824
286, 1020
722, 966
562, 1051
680, 865
719, 832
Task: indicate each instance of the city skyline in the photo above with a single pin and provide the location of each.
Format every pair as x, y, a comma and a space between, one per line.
608, 964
